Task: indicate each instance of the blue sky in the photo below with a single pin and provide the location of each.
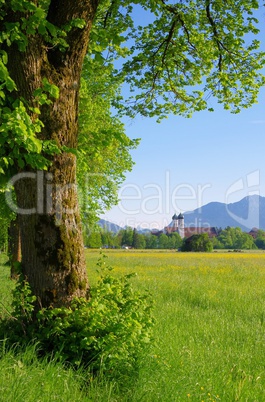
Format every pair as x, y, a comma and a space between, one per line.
182, 164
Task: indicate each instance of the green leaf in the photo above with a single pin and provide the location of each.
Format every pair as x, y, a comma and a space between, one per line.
42, 28
10, 84
52, 89
4, 56
5, 160
78, 23
52, 28
21, 163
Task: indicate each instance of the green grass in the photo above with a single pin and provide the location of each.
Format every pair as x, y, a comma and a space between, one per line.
6, 285
25, 378
209, 335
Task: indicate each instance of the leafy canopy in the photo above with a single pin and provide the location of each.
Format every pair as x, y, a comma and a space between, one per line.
189, 51
103, 152
186, 52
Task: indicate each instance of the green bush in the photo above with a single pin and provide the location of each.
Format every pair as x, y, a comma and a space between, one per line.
107, 332
198, 242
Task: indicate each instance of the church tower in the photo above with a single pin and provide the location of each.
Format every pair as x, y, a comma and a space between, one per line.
181, 230
175, 223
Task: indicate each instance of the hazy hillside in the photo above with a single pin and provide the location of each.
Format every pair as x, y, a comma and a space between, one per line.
109, 226
246, 214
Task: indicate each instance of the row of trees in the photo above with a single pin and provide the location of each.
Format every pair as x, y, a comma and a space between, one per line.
235, 238
129, 237
229, 238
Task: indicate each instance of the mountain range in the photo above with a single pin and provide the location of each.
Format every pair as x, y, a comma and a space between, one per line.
109, 226
247, 213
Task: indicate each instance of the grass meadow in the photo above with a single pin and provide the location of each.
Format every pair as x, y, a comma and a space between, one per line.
209, 338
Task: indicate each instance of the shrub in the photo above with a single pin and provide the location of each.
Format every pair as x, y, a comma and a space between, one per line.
198, 242
109, 331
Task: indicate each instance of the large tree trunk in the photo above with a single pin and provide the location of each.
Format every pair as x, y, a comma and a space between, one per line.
51, 238
52, 247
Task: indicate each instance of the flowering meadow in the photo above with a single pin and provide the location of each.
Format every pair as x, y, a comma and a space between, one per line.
209, 336
210, 325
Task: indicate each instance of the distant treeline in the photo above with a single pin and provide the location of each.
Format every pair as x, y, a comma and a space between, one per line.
229, 238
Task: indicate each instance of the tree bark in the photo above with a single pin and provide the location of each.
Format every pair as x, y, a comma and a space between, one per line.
51, 238
14, 248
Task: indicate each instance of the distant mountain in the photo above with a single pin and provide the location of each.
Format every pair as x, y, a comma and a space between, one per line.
246, 214
109, 226
113, 227
142, 230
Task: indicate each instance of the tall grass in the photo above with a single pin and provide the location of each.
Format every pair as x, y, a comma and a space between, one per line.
6, 286
23, 377
209, 336
210, 332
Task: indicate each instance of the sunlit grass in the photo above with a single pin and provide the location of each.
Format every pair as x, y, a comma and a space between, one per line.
209, 334
23, 377
6, 285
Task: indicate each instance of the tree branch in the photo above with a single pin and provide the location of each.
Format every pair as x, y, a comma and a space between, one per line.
180, 20
215, 33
